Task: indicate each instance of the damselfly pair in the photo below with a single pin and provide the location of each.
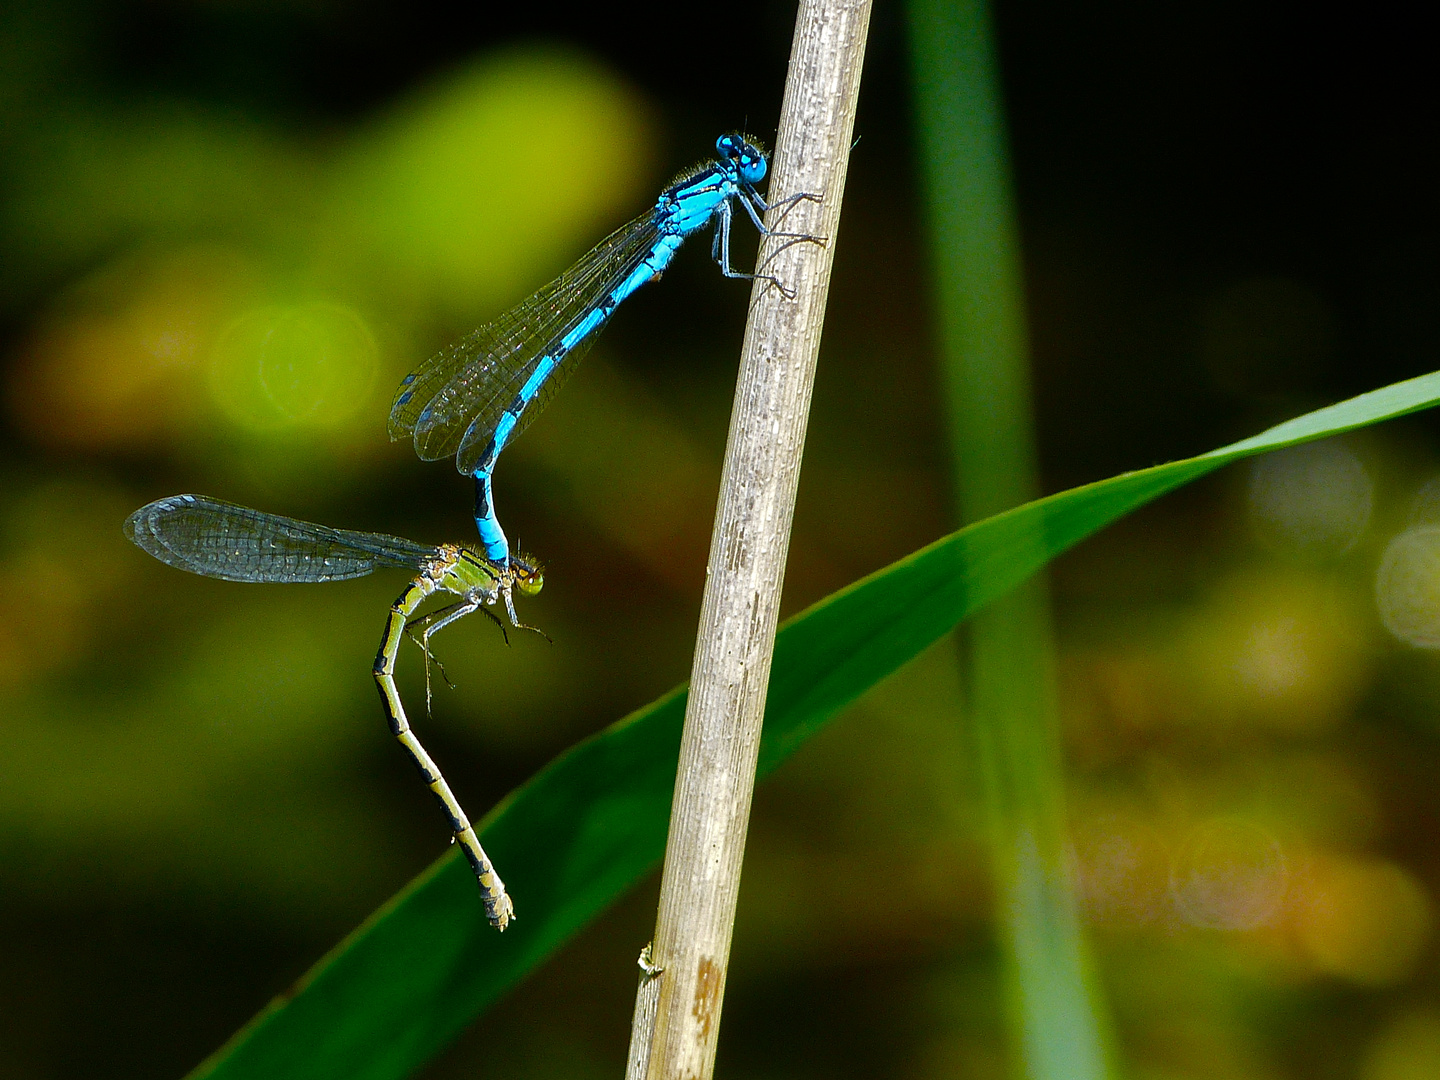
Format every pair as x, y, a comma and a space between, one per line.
470, 400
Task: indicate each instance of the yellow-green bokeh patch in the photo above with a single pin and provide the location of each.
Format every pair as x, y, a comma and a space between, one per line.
310, 364
469, 192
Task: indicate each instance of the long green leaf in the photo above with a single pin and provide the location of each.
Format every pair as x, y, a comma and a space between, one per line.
593, 822
1056, 1013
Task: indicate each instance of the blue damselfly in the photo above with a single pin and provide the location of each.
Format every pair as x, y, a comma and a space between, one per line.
473, 398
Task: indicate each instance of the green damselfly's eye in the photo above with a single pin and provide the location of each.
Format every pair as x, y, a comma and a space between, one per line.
529, 574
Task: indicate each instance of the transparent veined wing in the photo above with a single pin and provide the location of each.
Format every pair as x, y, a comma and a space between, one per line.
452, 402
235, 543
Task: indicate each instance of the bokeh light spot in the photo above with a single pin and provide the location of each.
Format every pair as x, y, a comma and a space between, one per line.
305, 364
1425, 507
1283, 650
1230, 874
1314, 500
1407, 587
1121, 866
1364, 920
1273, 658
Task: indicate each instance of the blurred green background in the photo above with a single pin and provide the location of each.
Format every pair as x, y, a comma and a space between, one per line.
227, 229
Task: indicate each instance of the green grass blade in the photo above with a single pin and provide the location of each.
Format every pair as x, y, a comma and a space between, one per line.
593, 822
1054, 1009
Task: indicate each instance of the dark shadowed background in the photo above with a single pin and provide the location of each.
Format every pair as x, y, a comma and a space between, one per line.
227, 229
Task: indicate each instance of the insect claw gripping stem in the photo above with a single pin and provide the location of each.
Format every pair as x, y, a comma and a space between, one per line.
790, 202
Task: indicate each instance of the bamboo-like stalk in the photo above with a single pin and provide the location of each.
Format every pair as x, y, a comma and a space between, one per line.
716, 776
1055, 1012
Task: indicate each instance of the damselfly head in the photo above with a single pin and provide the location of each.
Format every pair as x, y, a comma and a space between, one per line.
746, 152
528, 573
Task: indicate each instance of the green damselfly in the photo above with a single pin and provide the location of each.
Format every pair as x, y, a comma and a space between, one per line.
234, 543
